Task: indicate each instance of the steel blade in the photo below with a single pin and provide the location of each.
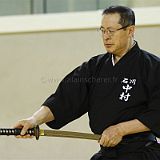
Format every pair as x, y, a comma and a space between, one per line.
69, 134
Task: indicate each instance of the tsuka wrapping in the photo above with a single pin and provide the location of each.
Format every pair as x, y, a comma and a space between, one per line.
15, 131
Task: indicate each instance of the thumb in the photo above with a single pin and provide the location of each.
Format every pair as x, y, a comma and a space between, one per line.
24, 130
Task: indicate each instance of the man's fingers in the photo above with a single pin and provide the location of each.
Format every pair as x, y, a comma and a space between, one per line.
101, 141
111, 143
24, 125
24, 129
104, 140
25, 136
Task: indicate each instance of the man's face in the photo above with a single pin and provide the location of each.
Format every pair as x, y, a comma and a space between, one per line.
115, 42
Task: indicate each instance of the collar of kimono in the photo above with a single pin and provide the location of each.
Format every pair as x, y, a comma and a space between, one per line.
113, 58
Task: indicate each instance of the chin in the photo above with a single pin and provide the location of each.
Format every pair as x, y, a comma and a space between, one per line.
110, 50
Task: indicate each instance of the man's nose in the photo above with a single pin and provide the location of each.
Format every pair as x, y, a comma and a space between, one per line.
106, 36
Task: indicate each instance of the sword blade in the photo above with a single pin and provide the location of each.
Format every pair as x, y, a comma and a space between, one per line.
69, 134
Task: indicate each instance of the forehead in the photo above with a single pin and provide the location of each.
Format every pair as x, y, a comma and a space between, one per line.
110, 20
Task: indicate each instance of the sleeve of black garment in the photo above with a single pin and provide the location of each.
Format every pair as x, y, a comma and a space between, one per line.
151, 116
70, 101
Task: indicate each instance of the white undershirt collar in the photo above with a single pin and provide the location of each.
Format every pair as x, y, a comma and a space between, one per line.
113, 62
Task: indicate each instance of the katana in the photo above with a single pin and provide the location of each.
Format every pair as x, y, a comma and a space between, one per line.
37, 132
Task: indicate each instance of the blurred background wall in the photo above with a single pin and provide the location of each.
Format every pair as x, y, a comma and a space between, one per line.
36, 52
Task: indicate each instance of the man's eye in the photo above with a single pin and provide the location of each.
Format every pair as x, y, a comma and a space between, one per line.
111, 31
103, 31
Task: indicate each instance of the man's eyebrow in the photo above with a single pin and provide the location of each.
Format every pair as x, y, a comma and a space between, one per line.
101, 27
106, 28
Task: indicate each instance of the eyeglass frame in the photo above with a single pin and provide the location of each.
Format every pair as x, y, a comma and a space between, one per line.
110, 32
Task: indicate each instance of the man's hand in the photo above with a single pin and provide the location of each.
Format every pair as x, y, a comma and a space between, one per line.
114, 134
111, 136
43, 115
25, 124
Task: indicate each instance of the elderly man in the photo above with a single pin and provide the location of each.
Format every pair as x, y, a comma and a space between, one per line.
120, 90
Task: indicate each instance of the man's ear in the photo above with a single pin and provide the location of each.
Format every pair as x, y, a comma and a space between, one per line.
131, 30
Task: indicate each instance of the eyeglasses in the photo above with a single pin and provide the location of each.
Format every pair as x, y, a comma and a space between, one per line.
111, 32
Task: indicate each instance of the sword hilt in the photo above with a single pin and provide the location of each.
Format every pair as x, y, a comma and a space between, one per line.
16, 131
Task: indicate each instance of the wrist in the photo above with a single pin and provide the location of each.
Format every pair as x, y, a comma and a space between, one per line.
121, 129
33, 121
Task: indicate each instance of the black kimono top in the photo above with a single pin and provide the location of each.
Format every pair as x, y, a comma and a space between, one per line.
109, 93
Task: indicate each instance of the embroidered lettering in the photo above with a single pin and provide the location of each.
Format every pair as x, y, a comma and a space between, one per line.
129, 83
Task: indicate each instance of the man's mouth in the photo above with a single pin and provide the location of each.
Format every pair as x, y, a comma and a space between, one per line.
108, 45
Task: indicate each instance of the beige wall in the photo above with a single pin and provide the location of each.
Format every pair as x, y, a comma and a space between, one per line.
31, 66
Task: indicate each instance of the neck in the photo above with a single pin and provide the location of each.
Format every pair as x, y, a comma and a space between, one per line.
118, 57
